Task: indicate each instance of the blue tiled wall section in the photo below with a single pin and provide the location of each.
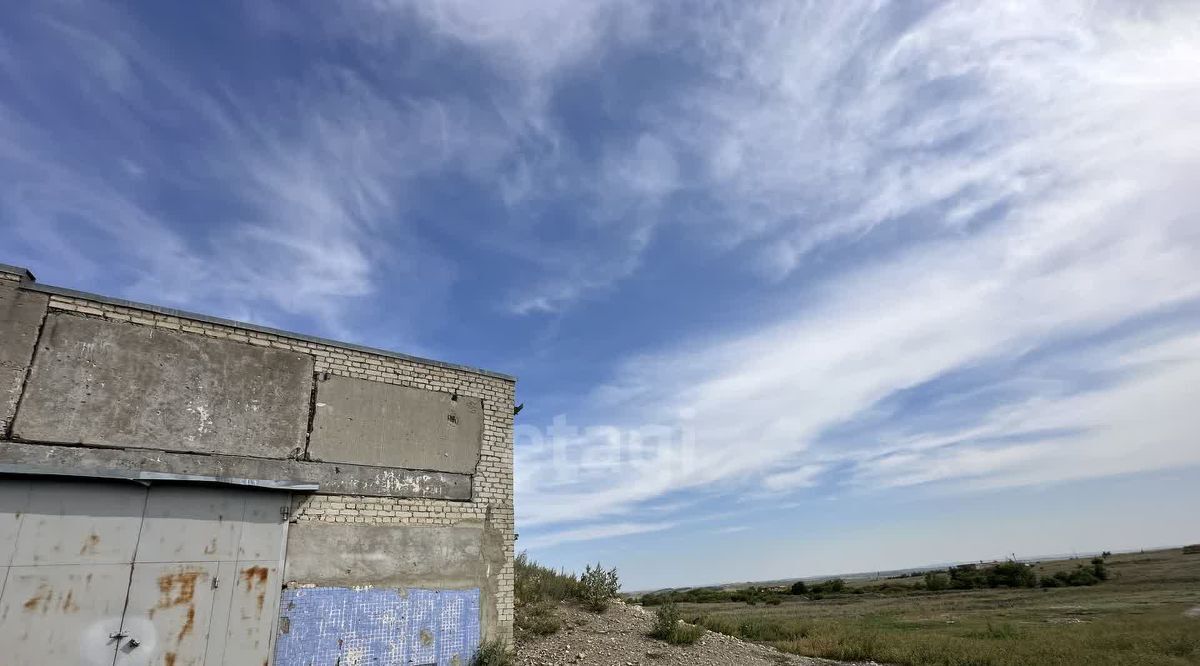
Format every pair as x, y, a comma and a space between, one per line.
326, 626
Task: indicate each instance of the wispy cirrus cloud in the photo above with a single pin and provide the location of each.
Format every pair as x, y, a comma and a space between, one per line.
306, 182
599, 531
1015, 175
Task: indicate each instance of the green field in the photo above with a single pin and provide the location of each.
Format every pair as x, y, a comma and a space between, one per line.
1139, 616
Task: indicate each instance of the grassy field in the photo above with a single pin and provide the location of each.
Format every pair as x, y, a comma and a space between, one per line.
1139, 616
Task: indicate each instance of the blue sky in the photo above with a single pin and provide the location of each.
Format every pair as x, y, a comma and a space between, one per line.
791, 288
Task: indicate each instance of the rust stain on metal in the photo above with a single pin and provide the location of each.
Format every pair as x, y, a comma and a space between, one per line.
185, 580
33, 602
69, 603
187, 625
89, 544
42, 598
179, 589
169, 659
257, 575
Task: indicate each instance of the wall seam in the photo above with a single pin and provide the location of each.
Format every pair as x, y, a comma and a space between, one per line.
37, 341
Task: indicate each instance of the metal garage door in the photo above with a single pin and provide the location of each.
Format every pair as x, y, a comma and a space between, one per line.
104, 574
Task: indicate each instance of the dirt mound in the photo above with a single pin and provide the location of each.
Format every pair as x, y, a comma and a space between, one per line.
618, 638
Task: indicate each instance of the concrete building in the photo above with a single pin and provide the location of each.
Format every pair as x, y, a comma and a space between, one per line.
177, 489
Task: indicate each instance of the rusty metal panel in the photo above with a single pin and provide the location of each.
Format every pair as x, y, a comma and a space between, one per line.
62, 614
246, 607
68, 546
167, 616
191, 524
14, 500
194, 599
264, 528
80, 523
201, 587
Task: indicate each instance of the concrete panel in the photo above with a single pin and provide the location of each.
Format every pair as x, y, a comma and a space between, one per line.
23, 458
370, 423
459, 557
21, 314
114, 384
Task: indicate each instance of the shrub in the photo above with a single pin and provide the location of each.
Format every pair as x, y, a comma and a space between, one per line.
666, 617
831, 586
1081, 576
936, 581
535, 583
1011, 574
492, 653
537, 619
670, 628
597, 587
799, 587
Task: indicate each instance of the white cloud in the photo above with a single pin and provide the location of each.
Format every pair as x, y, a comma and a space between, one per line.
592, 532
1040, 157
305, 186
801, 477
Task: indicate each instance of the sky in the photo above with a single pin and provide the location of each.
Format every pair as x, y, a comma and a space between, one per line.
790, 288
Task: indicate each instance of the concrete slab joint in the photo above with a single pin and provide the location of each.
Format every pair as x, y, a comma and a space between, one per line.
21, 315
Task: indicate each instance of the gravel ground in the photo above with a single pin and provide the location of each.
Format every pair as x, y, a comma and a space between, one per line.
618, 638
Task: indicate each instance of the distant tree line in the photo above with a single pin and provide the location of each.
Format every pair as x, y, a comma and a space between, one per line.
1010, 574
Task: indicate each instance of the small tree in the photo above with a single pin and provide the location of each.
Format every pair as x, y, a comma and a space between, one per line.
799, 587
597, 587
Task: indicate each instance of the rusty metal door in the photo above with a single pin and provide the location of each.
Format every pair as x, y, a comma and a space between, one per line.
103, 574
67, 549
205, 584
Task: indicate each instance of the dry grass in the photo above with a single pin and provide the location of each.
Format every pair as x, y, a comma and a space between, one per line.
1137, 617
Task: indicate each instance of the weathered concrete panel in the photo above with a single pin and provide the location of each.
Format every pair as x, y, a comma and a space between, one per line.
458, 557
370, 423
114, 384
21, 314
133, 464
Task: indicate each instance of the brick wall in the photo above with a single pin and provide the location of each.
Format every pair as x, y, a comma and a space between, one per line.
492, 484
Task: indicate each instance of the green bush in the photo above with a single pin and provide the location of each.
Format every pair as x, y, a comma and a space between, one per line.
535, 583
597, 587
669, 627
936, 581
799, 587
537, 619
831, 586
1081, 576
1011, 574
493, 653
